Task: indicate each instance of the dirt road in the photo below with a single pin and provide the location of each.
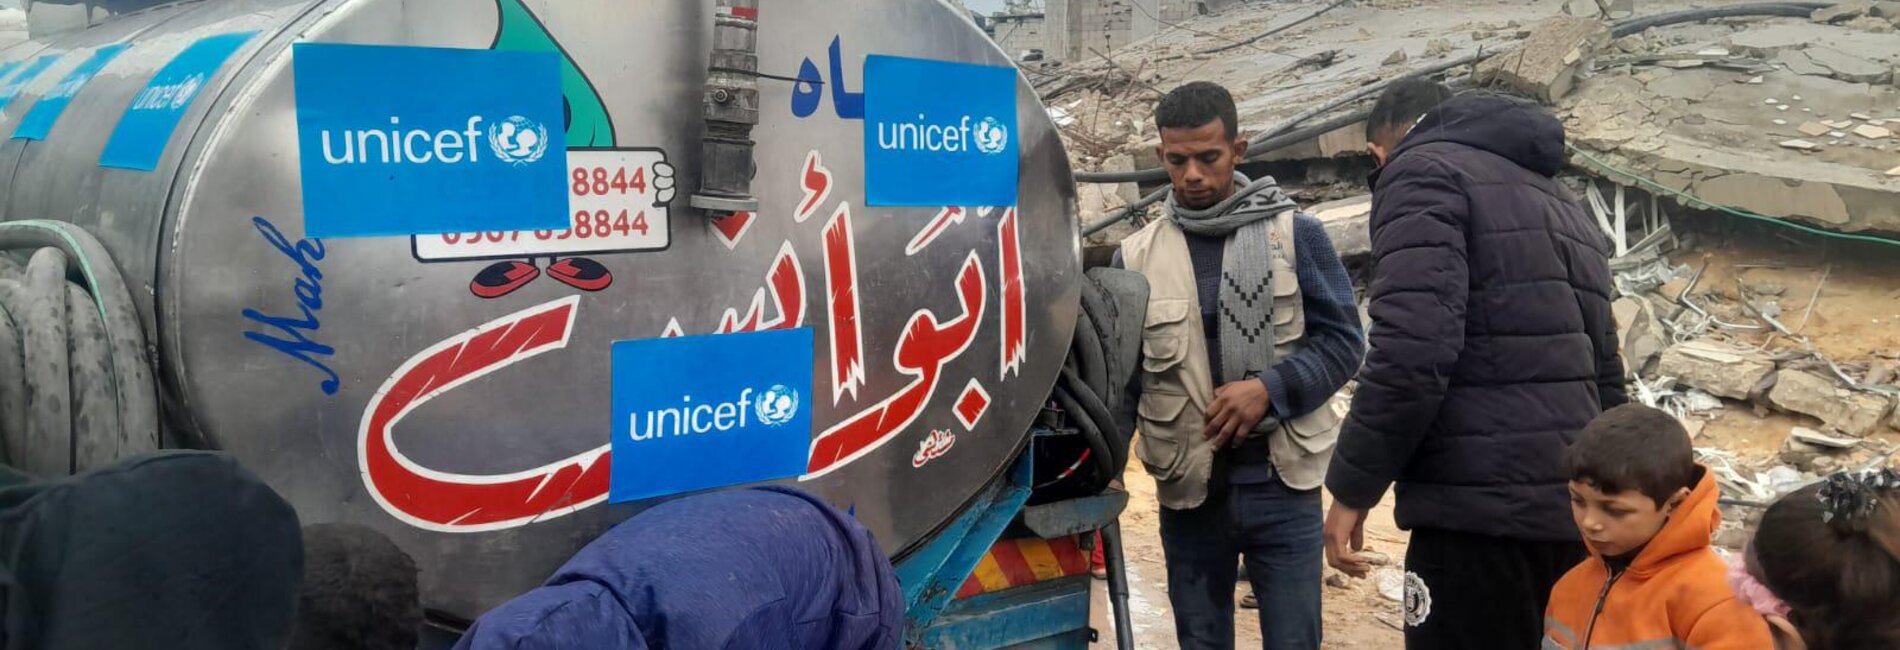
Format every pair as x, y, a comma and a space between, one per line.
1356, 616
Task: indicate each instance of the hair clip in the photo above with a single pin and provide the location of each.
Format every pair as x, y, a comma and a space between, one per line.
1852, 496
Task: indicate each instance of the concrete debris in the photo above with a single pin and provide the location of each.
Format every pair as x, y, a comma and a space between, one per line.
1718, 369
1643, 337
1873, 132
1886, 9
1850, 412
1842, 12
1347, 222
1838, 124
1837, 135
1771, 101
1870, 24
1894, 172
1782, 107
1861, 116
1397, 57
1755, 80
1545, 65
1848, 67
1814, 129
1439, 47
1800, 145
1819, 439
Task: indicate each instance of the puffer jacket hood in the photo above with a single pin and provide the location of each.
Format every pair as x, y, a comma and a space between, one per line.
1517, 129
1674, 594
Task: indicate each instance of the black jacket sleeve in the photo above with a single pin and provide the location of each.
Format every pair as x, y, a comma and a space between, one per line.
1420, 284
1611, 391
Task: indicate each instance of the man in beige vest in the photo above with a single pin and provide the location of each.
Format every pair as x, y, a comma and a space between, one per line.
1251, 331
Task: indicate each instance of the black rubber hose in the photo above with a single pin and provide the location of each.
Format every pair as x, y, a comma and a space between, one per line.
49, 432
1101, 452
1099, 416
12, 372
83, 386
1791, 9
95, 436
1115, 556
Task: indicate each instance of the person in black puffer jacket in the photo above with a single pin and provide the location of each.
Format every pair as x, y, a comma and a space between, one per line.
1492, 345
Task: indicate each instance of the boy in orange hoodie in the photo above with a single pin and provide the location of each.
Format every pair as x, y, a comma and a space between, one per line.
1646, 510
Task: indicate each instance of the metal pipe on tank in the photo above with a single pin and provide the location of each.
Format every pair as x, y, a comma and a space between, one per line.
731, 109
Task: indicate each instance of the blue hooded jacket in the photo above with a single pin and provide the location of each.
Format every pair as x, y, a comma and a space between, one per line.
769, 567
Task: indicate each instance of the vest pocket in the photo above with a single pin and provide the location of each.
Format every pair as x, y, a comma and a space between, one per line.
1163, 338
1318, 431
1162, 425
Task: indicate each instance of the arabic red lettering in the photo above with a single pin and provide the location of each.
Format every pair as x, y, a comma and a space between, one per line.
841, 302
816, 181
785, 283
1015, 327
938, 224
926, 346
458, 503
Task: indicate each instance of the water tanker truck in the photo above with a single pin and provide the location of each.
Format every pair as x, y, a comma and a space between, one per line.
490, 276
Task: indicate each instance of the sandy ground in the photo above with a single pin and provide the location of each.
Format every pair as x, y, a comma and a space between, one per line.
1356, 616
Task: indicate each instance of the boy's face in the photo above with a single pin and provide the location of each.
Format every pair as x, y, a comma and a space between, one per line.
1616, 523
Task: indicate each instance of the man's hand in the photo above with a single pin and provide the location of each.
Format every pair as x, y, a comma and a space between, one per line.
1345, 537
1238, 407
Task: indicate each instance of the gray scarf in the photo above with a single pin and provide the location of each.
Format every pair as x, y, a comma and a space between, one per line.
1246, 274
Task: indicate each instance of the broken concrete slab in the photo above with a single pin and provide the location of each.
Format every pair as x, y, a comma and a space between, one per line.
1851, 412
1643, 340
1835, 125
1814, 129
1873, 132
1849, 67
1347, 222
1841, 12
1894, 172
1798, 62
1718, 369
1545, 65
1397, 57
1799, 145
1819, 439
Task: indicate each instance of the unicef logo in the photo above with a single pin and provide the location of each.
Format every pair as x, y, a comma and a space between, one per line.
777, 406
518, 140
991, 136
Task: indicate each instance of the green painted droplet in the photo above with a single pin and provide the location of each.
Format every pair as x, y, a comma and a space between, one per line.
588, 124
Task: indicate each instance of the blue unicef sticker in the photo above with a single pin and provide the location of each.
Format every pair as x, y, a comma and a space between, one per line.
147, 125
423, 141
938, 133
18, 82
703, 412
39, 121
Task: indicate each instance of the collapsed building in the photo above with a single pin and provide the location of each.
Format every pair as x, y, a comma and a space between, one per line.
1743, 159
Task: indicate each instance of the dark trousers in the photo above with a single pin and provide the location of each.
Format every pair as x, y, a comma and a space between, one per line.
1475, 592
1276, 530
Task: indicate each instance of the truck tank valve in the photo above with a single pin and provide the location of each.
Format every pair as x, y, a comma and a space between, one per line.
731, 109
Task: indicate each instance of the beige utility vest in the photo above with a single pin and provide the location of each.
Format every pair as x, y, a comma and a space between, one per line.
1177, 382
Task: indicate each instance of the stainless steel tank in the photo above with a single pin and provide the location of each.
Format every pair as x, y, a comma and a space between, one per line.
386, 381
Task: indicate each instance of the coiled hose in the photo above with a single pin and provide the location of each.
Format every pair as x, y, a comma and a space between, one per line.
76, 389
